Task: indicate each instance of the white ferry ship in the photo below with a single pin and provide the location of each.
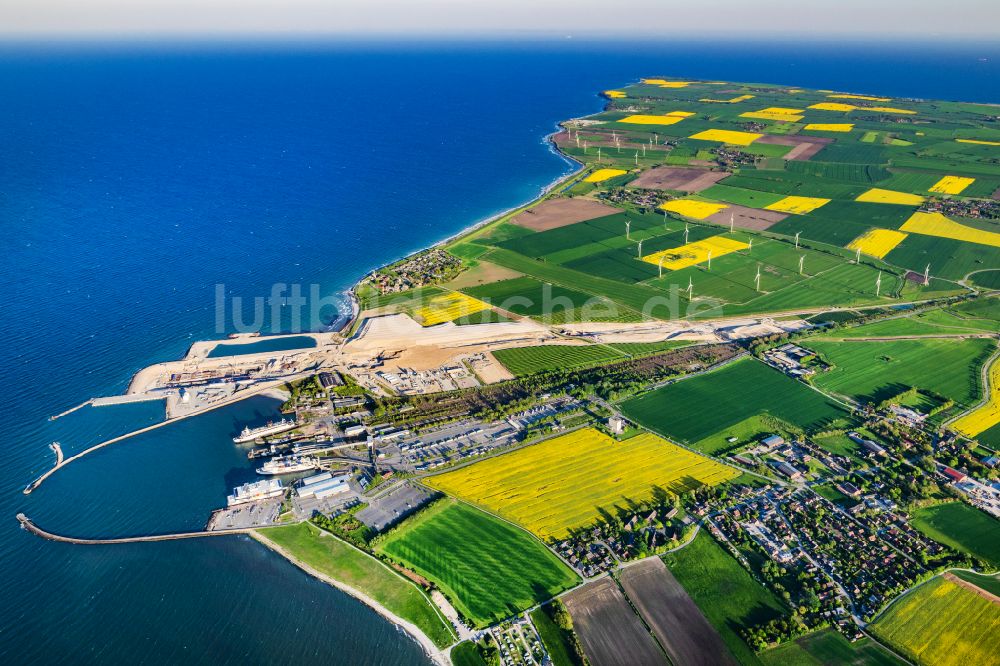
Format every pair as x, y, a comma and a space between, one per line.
288, 465
250, 434
256, 491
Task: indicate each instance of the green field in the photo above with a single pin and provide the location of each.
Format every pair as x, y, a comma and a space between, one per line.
342, 562
828, 647
871, 371
466, 653
989, 583
692, 409
544, 358
941, 624
557, 641
962, 527
724, 591
489, 569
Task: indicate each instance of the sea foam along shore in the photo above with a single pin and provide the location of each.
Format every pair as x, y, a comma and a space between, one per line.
436, 655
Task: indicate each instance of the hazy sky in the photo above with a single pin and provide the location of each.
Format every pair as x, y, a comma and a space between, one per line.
662, 18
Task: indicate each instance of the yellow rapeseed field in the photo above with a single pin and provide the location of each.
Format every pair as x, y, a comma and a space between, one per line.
798, 205
833, 106
987, 415
775, 113
979, 142
734, 100
877, 242
697, 210
603, 174
663, 83
563, 484
951, 185
867, 97
614, 94
642, 119
727, 136
936, 224
448, 307
830, 127
876, 195
691, 254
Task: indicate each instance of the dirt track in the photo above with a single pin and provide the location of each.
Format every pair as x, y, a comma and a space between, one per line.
985, 594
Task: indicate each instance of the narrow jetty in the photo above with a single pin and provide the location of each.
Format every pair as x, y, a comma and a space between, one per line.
70, 410
27, 524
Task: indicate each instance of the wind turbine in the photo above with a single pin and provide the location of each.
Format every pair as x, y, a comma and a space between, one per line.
927, 275
598, 153
643, 150
664, 219
857, 259
690, 289
757, 279
709, 260
801, 260
732, 220
584, 144
797, 239
640, 249
878, 283
749, 245
686, 233
628, 229
660, 264
577, 139
637, 157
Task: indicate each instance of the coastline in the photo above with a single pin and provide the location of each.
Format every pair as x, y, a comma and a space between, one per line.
436, 655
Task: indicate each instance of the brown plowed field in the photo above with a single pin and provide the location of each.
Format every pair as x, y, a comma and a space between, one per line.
676, 621
804, 146
678, 178
556, 213
747, 218
611, 633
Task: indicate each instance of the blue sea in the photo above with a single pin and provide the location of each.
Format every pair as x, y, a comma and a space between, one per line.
137, 179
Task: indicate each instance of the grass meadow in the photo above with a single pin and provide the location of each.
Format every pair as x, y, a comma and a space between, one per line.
692, 409
489, 569
329, 555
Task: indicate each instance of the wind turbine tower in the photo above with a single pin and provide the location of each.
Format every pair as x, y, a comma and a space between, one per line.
686, 233
927, 275
660, 264
690, 289
732, 221
640, 249
878, 283
709, 260
857, 259
801, 260
756, 280
797, 239
628, 229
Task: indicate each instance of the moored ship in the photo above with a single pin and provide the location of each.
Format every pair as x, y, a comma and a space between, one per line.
250, 434
256, 491
288, 465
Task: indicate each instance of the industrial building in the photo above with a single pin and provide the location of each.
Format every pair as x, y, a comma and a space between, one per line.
324, 485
